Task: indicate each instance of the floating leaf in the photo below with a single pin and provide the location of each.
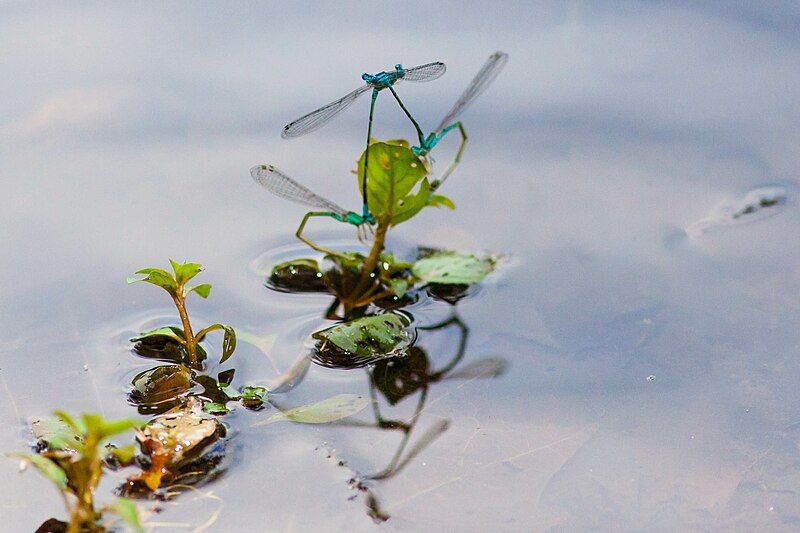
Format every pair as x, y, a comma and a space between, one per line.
54, 433
124, 455
368, 336
215, 408
297, 275
161, 383
324, 412
252, 397
170, 332
453, 268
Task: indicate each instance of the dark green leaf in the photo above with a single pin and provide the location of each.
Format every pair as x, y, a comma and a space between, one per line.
369, 336
228, 343
171, 332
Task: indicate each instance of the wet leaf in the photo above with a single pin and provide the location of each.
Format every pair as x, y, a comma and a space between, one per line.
169, 332
449, 268
125, 454
215, 408
54, 433
399, 286
126, 509
46, 467
368, 336
297, 275
252, 397
161, 383
324, 412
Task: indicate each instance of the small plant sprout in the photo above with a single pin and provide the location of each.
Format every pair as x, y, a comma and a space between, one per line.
73, 453
176, 286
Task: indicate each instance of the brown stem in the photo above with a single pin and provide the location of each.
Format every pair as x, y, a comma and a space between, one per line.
371, 262
191, 345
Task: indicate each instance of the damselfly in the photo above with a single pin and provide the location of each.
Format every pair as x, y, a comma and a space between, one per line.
282, 185
479, 83
376, 82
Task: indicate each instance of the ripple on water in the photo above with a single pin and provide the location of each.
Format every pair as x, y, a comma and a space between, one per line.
757, 204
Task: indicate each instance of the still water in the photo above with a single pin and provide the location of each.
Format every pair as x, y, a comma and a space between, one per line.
640, 341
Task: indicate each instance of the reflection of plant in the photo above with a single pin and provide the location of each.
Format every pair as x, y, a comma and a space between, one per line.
175, 285
73, 454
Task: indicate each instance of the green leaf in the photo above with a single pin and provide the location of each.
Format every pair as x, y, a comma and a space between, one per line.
110, 428
185, 271
437, 200
127, 510
56, 433
125, 454
228, 343
252, 397
453, 268
368, 336
157, 276
215, 408
323, 412
394, 171
399, 286
410, 205
202, 290
171, 332
46, 467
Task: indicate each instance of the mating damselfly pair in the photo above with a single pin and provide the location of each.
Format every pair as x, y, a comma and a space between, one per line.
282, 185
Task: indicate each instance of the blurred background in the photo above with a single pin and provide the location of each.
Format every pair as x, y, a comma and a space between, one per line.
652, 373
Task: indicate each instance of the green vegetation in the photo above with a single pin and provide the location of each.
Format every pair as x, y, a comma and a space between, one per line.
175, 285
73, 455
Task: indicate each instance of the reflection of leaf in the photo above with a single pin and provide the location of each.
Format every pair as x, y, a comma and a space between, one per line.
453, 268
368, 336
289, 379
47, 467
483, 368
323, 412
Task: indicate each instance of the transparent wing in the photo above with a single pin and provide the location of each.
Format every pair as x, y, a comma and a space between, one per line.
282, 185
479, 83
316, 119
427, 72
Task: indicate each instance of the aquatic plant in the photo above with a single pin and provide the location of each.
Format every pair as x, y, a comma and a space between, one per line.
176, 286
73, 453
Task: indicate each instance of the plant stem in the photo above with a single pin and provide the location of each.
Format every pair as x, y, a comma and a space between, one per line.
371, 262
191, 345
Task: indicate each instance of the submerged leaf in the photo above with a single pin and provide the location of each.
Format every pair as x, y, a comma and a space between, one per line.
368, 336
324, 412
297, 275
453, 268
161, 383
